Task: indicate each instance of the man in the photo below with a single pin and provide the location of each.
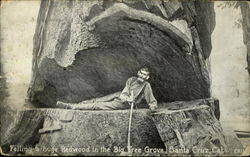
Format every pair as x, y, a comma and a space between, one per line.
136, 89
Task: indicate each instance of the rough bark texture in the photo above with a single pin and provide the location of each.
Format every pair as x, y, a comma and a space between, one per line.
245, 10
86, 49
197, 125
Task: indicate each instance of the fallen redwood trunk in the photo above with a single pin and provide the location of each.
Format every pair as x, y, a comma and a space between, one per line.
75, 132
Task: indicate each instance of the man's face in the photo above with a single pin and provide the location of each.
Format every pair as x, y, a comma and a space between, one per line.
143, 76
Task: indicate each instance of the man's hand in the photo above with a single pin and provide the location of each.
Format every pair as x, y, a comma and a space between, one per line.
153, 108
131, 99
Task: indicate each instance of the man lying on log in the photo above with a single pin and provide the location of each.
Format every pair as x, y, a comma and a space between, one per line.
136, 89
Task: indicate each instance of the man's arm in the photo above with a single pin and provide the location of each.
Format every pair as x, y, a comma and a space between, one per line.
152, 102
125, 94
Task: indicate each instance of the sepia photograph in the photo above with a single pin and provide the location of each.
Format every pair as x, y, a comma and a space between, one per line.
124, 78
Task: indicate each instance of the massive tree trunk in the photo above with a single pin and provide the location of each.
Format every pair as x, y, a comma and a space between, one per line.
89, 48
245, 10
86, 49
194, 130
